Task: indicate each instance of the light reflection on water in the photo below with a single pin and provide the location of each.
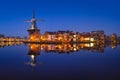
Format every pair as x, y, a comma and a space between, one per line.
60, 61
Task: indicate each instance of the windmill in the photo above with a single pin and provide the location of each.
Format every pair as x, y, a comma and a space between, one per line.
33, 26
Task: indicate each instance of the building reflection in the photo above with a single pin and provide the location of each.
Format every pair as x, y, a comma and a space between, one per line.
35, 49
65, 48
5, 44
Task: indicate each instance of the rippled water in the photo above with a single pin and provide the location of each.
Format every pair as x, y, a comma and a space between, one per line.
33, 62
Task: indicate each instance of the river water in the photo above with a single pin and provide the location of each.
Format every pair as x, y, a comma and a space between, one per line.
60, 62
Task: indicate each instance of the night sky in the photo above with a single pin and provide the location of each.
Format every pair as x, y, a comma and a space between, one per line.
76, 15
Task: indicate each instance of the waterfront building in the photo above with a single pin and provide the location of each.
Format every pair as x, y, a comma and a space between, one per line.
66, 36
49, 36
34, 32
99, 36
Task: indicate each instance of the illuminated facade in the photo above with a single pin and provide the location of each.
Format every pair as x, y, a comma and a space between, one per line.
66, 36
34, 32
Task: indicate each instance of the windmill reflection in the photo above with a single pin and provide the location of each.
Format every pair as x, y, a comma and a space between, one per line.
34, 51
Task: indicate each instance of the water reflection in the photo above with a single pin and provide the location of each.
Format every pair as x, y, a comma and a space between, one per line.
35, 49
43, 62
4, 44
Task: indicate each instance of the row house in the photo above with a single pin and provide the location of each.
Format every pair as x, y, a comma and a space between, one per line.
69, 36
99, 36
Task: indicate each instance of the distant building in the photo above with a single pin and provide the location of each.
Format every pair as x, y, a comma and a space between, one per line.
114, 38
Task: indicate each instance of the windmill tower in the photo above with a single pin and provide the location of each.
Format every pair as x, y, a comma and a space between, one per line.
34, 32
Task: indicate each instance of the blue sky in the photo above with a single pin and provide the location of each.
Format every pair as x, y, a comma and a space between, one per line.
77, 15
